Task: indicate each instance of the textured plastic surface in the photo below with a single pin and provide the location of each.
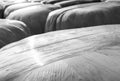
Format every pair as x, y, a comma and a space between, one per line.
87, 54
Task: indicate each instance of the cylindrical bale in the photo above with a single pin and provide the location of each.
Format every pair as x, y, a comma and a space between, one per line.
33, 16
85, 15
12, 30
85, 54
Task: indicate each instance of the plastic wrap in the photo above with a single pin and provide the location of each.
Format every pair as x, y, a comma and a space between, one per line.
86, 54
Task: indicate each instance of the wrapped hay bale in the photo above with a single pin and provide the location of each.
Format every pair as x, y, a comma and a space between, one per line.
86, 54
11, 31
33, 16
85, 15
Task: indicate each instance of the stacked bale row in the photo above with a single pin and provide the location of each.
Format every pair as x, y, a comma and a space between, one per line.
42, 16
82, 54
34, 14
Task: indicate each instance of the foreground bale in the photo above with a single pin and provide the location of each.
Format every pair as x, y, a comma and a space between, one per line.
84, 15
11, 31
33, 16
86, 54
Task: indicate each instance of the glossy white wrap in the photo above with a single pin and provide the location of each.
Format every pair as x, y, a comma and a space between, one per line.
86, 54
